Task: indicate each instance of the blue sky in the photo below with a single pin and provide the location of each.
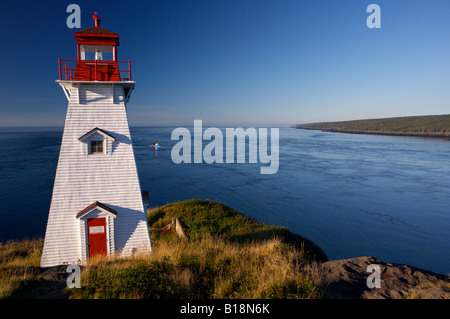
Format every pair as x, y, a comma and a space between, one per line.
237, 62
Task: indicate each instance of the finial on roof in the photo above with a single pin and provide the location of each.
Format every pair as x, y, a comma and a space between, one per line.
96, 19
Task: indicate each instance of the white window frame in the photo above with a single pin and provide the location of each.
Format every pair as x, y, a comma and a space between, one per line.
98, 135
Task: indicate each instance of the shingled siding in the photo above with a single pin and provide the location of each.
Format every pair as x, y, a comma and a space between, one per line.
83, 179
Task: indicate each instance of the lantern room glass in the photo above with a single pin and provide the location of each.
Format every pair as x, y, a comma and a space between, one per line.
97, 52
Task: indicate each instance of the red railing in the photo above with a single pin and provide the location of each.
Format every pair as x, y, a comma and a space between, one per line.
67, 68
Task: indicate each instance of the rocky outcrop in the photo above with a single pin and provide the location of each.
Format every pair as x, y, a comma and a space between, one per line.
347, 279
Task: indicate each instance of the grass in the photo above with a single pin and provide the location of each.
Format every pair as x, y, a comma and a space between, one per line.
204, 217
430, 125
227, 255
210, 267
19, 265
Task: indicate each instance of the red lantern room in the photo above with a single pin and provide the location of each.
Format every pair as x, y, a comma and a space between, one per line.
96, 57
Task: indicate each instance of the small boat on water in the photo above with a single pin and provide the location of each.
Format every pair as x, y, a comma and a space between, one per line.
156, 146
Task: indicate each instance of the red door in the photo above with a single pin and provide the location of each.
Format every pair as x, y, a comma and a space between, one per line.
97, 236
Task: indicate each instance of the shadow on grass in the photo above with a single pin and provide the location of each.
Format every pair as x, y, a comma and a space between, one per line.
311, 250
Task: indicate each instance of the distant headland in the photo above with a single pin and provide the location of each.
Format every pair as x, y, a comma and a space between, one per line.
421, 126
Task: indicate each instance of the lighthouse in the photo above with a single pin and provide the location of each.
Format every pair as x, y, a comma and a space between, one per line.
97, 206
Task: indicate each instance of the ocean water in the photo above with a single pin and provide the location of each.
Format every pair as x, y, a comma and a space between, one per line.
353, 195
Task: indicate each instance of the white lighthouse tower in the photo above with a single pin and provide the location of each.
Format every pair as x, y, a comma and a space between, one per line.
97, 206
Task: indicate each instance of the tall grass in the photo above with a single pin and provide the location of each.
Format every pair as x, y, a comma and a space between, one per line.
228, 255
19, 265
205, 217
211, 267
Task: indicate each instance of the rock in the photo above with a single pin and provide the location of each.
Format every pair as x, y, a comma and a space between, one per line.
180, 229
347, 279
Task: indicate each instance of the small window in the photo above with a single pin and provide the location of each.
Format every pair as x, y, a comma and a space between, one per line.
97, 141
96, 147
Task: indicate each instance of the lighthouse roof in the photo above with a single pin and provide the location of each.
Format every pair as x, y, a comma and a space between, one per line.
96, 31
96, 36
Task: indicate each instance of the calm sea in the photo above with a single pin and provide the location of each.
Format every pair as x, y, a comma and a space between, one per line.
353, 195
